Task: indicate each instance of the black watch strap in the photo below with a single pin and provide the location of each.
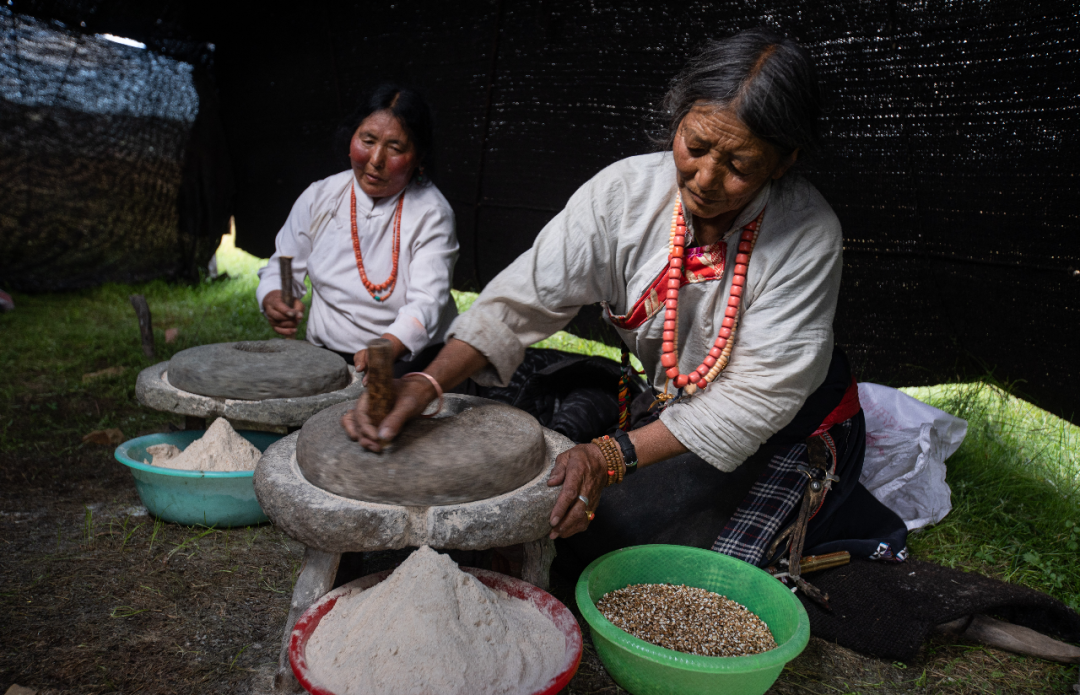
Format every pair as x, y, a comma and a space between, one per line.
628, 453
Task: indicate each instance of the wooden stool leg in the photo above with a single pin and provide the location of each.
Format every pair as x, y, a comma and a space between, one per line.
315, 581
536, 569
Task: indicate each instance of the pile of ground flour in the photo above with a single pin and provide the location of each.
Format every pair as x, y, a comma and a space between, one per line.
220, 449
431, 628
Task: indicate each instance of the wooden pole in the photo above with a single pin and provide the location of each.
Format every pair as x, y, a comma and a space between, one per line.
380, 379
287, 284
146, 326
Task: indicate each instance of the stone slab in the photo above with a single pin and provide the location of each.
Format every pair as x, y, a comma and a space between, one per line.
153, 389
474, 449
331, 523
257, 370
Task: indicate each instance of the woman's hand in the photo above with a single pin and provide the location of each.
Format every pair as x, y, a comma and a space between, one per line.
282, 318
412, 397
360, 359
453, 365
581, 471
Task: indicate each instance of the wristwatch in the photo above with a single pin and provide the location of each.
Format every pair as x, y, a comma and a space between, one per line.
628, 453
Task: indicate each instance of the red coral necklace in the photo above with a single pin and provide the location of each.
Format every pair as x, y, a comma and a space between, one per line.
376, 291
718, 356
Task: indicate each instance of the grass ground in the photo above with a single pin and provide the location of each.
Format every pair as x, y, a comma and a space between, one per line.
98, 598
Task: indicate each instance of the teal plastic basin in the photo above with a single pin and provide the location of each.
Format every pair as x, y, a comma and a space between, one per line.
646, 669
206, 498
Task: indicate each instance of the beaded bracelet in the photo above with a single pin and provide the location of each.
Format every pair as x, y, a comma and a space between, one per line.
613, 457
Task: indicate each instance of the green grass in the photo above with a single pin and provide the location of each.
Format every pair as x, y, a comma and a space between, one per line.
1015, 482
51, 340
1015, 479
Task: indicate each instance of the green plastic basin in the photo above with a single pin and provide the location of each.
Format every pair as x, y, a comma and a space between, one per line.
207, 498
645, 669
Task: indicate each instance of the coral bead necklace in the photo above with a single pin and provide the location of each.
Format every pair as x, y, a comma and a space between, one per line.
717, 358
376, 291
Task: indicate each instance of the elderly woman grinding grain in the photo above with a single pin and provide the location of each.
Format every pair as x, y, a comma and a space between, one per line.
720, 269
377, 241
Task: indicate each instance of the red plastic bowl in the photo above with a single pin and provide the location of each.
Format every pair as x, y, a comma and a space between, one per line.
546, 603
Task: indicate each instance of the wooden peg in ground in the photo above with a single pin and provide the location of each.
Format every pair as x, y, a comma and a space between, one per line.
285, 263
146, 327
380, 379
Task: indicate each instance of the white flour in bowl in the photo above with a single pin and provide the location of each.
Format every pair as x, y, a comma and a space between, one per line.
220, 449
160, 453
431, 628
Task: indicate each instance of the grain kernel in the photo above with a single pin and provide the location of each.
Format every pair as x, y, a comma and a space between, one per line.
686, 619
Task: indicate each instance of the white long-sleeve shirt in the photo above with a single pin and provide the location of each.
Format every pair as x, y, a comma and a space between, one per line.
344, 316
611, 242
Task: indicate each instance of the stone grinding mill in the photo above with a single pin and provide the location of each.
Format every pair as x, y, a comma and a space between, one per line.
254, 384
473, 477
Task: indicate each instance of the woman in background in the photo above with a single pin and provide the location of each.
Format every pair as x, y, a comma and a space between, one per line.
377, 242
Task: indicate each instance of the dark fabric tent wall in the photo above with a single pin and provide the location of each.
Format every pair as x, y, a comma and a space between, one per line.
107, 164
950, 159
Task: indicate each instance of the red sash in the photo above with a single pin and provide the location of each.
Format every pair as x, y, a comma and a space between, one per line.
848, 408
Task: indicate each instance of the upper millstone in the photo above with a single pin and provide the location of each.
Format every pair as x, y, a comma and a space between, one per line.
474, 450
256, 370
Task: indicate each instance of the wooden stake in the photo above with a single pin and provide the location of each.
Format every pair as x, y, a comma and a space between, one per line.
380, 379
146, 326
814, 563
286, 283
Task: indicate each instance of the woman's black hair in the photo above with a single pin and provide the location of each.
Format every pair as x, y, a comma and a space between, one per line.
768, 79
411, 110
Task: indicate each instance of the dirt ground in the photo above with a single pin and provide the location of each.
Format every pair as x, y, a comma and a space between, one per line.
96, 597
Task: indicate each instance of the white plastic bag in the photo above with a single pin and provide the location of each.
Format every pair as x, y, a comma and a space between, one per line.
907, 442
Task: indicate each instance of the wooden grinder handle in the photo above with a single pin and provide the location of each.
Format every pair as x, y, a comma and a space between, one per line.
380, 379
286, 282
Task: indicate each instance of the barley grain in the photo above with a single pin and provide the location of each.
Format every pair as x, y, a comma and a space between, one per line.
687, 619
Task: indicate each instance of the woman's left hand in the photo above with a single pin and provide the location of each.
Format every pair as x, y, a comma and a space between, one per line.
360, 359
581, 471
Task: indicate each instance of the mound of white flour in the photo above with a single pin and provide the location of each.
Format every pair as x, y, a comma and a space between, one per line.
431, 628
220, 449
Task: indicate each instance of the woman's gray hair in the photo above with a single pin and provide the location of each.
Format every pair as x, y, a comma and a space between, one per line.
768, 79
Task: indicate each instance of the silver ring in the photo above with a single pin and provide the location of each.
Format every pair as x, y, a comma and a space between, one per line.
584, 499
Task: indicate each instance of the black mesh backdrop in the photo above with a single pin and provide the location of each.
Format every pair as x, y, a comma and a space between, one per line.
95, 152
950, 158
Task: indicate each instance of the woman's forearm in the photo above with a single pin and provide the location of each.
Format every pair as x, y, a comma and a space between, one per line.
655, 442
455, 363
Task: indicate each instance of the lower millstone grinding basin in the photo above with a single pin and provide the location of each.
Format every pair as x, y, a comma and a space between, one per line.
257, 370
472, 451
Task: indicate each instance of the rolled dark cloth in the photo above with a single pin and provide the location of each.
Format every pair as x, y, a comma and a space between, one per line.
686, 501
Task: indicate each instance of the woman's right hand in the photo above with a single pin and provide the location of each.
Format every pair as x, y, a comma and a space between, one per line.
453, 365
581, 470
412, 396
283, 318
